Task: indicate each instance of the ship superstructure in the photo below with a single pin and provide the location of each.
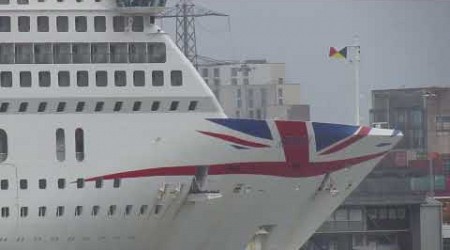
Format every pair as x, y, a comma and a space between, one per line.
109, 139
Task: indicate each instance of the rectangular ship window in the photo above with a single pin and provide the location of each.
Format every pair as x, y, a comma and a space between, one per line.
99, 106
80, 24
23, 212
61, 107
82, 79
100, 24
6, 79
4, 2
23, 107
137, 53
80, 107
6, 53
155, 106
99, 52
139, 78
138, 24
43, 53
44, 79
137, 106
118, 106
4, 184
81, 53
64, 79
25, 79
119, 24
4, 107
23, 184
42, 106
176, 78
42, 183
120, 78
62, 53
156, 52
157, 78
119, 52
62, 23
61, 183
23, 2
5, 24
24, 53
42, 24
41, 211
23, 23
101, 78
193, 105
174, 105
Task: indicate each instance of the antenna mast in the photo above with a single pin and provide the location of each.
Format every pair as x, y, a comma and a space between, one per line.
185, 12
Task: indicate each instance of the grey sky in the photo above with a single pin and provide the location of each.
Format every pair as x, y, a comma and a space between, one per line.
403, 43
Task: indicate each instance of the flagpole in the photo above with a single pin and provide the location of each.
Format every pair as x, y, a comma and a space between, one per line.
356, 60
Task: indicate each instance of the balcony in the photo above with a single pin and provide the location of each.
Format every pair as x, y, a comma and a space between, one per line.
149, 7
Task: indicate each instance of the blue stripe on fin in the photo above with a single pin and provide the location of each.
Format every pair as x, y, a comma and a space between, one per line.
258, 128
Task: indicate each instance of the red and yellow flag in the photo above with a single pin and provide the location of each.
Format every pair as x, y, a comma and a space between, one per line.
341, 54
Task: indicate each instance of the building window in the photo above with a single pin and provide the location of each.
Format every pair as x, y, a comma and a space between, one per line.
24, 53
176, 78
118, 52
41, 211
61, 183
60, 144
137, 53
4, 2
24, 23
23, 107
217, 82
138, 24
442, 123
99, 183
139, 78
6, 53
95, 210
42, 106
4, 184
79, 144
3, 145
6, 79
78, 210
100, 52
80, 107
234, 81
43, 53
5, 24
101, 78
205, 72
174, 105
64, 79
155, 106
99, 106
62, 23
5, 212
120, 78
156, 52
42, 24
116, 183
82, 79
80, 183
4, 107
118, 106
42, 183
22, 2
112, 210
119, 24
193, 105
23, 212
81, 53
245, 81
23, 184
62, 53
137, 106
59, 211
80, 24
157, 78
61, 106
100, 24
25, 79
44, 79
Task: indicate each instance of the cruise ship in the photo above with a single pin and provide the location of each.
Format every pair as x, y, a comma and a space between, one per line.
110, 139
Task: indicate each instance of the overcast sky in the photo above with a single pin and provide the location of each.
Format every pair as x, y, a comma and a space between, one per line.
403, 43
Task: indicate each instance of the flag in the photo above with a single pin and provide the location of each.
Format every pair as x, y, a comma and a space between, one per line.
341, 54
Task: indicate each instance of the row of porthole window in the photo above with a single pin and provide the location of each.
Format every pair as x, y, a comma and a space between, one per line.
44, 78
78, 211
99, 107
82, 53
80, 23
61, 183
